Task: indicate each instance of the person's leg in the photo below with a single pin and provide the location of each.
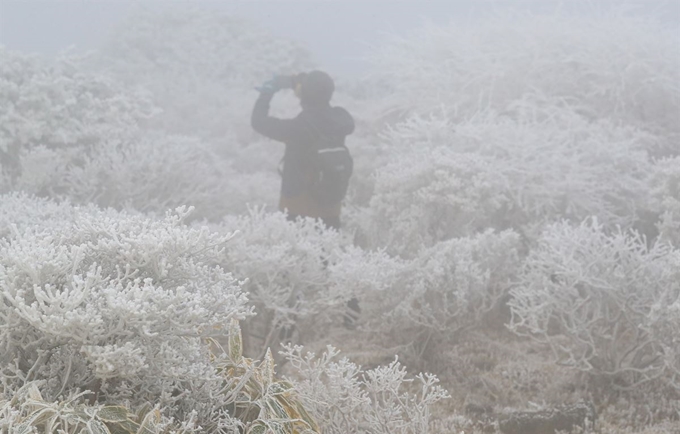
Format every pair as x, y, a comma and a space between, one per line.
351, 314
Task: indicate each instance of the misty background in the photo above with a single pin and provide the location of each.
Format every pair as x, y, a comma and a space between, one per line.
339, 34
511, 227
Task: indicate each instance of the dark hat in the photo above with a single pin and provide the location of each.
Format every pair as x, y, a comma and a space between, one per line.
317, 88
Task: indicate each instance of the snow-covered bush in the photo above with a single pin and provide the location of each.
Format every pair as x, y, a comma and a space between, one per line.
665, 189
457, 283
517, 122
157, 172
603, 301
432, 195
301, 277
28, 412
420, 306
347, 399
20, 212
117, 305
82, 136
298, 275
517, 172
663, 323
284, 264
606, 65
56, 104
200, 66
255, 399
56, 113
261, 402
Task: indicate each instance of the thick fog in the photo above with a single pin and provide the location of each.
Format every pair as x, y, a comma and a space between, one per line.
339, 34
368, 217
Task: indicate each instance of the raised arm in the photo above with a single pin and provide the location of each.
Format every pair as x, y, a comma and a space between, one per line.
282, 130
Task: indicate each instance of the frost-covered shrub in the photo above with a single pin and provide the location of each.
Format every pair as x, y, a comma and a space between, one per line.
289, 267
663, 323
458, 283
347, 399
262, 402
82, 136
255, 400
656, 411
20, 212
200, 66
55, 112
447, 180
518, 122
302, 277
448, 290
665, 189
603, 301
117, 305
608, 65
56, 104
150, 174
432, 195
158, 172
28, 412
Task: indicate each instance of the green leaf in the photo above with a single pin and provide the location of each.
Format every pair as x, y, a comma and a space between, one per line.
41, 416
306, 417
97, 427
277, 409
34, 392
52, 423
80, 415
258, 427
148, 425
235, 341
278, 427
126, 427
267, 369
143, 410
113, 413
279, 388
268, 427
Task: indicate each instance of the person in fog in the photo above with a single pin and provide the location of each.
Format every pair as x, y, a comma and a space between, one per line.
316, 162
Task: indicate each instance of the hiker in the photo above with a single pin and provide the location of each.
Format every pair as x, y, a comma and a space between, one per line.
316, 162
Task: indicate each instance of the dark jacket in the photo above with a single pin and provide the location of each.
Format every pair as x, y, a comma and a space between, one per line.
315, 126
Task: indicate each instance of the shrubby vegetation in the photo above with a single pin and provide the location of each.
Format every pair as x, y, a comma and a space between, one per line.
512, 226
603, 302
665, 188
451, 180
116, 305
289, 281
352, 400
608, 65
57, 113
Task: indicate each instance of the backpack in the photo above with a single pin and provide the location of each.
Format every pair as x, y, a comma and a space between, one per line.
335, 166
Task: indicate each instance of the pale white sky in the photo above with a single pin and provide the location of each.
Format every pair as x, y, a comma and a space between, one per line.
336, 32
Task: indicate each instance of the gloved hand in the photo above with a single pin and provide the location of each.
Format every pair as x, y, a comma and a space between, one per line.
296, 82
276, 83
